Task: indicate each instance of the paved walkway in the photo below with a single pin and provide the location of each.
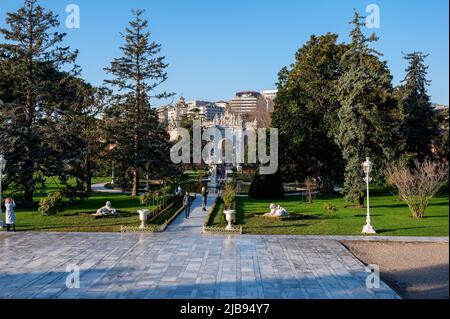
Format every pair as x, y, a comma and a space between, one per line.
194, 224
100, 188
182, 266
180, 263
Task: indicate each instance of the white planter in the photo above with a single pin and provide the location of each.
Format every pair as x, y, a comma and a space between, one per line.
230, 216
143, 217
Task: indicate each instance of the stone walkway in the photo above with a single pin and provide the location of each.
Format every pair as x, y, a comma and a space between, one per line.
34, 265
100, 188
180, 263
194, 224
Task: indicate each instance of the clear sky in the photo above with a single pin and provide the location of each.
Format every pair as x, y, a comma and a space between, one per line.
216, 48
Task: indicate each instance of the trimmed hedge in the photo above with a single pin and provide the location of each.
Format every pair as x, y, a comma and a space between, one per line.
266, 187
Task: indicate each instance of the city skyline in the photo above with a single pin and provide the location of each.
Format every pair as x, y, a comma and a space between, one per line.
217, 49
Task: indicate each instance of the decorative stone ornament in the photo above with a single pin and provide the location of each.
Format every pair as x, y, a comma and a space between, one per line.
230, 216
143, 217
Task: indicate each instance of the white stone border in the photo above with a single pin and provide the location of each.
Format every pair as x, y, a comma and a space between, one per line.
406, 239
219, 230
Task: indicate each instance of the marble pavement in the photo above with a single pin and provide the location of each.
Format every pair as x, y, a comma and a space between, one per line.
180, 263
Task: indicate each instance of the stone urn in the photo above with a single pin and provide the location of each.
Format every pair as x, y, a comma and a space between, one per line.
230, 216
143, 217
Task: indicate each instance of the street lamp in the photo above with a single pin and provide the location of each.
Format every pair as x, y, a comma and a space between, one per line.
367, 167
2, 168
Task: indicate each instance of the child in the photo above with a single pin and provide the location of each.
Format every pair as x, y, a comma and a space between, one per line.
9, 214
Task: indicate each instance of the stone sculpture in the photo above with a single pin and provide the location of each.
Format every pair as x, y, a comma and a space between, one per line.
106, 210
277, 211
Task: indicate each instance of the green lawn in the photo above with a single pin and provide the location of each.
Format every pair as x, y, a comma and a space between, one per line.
218, 218
389, 217
77, 218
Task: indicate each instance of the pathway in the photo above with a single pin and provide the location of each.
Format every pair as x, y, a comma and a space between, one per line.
100, 188
181, 266
180, 263
194, 224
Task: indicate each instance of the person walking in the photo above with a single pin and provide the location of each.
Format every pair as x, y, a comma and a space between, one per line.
187, 205
204, 198
10, 218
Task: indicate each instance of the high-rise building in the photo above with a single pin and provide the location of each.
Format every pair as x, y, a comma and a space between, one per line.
247, 102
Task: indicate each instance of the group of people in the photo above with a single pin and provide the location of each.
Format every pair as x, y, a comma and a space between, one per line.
187, 201
10, 218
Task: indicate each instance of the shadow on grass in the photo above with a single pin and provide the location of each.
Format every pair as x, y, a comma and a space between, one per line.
380, 231
364, 215
404, 205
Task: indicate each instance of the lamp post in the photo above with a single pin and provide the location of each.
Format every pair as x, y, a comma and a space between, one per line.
2, 168
367, 167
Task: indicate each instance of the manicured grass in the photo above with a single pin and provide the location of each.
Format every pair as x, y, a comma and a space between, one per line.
77, 218
217, 217
390, 217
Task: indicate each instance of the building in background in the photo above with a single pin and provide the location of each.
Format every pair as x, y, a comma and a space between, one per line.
223, 104
251, 106
171, 115
247, 102
163, 115
205, 110
270, 96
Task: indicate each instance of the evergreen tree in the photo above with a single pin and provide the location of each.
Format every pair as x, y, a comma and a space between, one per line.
367, 114
78, 135
132, 124
30, 59
306, 112
419, 126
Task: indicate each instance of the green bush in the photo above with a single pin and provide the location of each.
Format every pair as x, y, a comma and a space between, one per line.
53, 204
266, 187
329, 207
229, 195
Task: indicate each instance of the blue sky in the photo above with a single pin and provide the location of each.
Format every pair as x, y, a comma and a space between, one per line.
216, 48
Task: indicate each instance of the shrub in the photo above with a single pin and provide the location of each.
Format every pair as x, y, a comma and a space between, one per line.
53, 204
266, 187
146, 199
329, 207
311, 187
229, 196
417, 185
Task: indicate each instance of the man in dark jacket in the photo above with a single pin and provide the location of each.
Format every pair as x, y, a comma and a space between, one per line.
187, 205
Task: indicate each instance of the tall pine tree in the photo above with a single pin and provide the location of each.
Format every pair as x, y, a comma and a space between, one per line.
367, 114
132, 124
419, 126
30, 59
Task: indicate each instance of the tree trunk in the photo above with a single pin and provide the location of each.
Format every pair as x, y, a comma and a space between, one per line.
28, 166
87, 183
327, 183
29, 191
135, 190
361, 200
